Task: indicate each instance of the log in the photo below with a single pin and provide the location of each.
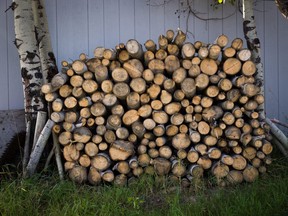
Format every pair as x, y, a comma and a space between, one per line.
38, 149
170, 35
94, 176
101, 162
134, 68
202, 81
148, 56
70, 153
109, 54
165, 152
209, 66
233, 133
212, 113
187, 51
78, 174
122, 167
82, 134
150, 45
89, 86
162, 166
172, 63
188, 87
239, 162
222, 40
153, 91
244, 55
237, 43
229, 52
177, 168
121, 150
232, 66
250, 174
220, 170
98, 52
179, 38
134, 49
203, 52
121, 90
138, 85
162, 42
101, 73
173, 49
194, 70
84, 160
160, 117
214, 51
181, 141
107, 176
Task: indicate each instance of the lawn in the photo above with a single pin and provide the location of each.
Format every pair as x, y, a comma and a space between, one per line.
46, 195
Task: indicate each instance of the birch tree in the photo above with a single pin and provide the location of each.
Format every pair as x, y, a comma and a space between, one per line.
38, 66
253, 43
47, 58
30, 64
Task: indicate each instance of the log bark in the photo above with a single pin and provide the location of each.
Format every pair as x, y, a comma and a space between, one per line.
38, 149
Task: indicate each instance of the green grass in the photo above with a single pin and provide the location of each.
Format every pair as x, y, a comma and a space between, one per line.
46, 195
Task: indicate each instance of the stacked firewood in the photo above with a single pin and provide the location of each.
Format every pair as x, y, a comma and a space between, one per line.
178, 109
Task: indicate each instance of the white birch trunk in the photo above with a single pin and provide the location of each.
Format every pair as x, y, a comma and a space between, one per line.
57, 151
26, 44
40, 123
277, 133
48, 62
39, 147
253, 43
27, 145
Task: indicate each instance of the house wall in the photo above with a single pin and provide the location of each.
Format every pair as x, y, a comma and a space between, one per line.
80, 26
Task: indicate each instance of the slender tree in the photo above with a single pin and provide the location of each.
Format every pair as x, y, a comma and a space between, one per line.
30, 64
38, 66
253, 43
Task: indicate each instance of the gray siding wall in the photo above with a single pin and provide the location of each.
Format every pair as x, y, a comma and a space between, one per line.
80, 26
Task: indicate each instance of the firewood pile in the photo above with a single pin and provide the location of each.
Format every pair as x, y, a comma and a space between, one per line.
175, 109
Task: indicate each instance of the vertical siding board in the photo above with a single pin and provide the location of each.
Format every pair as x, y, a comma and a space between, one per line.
201, 26
259, 13
229, 24
157, 21
50, 7
215, 26
14, 83
182, 15
239, 22
270, 49
95, 24
72, 29
3, 59
142, 30
171, 11
127, 20
283, 68
111, 23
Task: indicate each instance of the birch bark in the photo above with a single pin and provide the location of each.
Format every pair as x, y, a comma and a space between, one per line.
253, 43
47, 58
30, 64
